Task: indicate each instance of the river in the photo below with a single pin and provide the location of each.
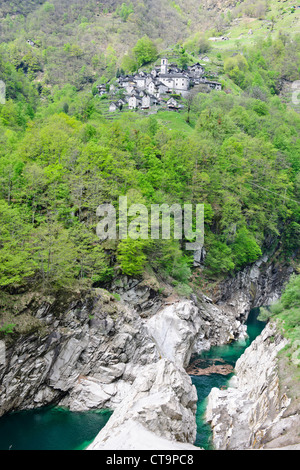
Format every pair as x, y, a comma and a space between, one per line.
223, 358
50, 428
53, 428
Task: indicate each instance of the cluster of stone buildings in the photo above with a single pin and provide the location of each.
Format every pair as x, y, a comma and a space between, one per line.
146, 90
219, 38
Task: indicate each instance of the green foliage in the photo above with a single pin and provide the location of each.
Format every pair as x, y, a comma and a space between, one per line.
124, 10
245, 248
167, 257
203, 45
21, 95
183, 290
60, 158
90, 256
183, 59
129, 62
131, 256
291, 295
48, 7
219, 259
7, 329
15, 259
145, 51
287, 311
236, 67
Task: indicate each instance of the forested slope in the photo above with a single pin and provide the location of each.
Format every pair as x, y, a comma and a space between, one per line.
236, 151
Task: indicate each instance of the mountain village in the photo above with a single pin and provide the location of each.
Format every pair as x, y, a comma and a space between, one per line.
163, 86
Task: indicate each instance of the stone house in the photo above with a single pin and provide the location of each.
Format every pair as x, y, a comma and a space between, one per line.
154, 101
140, 81
101, 89
113, 107
161, 88
121, 103
151, 87
173, 68
175, 81
130, 89
134, 101
214, 85
146, 101
195, 70
172, 103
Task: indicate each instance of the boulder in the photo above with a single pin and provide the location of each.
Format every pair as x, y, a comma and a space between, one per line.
160, 406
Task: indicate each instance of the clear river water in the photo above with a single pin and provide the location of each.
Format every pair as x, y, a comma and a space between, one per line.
53, 428
226, 355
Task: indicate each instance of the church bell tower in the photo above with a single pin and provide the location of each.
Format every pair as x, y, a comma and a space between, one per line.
164, 66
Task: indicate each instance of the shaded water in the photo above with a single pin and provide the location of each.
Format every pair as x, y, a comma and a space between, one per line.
229, 354
50, 429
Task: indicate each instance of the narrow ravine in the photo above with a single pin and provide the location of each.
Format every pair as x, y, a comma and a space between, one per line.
52, 428
216, 367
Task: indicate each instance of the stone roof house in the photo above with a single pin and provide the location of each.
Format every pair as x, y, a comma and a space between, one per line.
175, 81
151, 87
120, 103
140, 81
130, 89
146, 101
113, 107
172, 103
195, 71
134, 101
214, 85
102, 89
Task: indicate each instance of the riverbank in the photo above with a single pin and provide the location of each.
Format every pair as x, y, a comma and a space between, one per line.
255, 411
217, 368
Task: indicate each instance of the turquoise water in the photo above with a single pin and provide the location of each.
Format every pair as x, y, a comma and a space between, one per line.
204, 383
53, 428
50, 429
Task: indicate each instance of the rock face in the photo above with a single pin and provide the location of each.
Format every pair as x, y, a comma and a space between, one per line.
90, 351
95, 337
100, 354
256, 285
109, 384
225, 314
251, 413
158, 410
174, 329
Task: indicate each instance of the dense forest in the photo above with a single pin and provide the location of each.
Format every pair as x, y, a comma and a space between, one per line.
236, 150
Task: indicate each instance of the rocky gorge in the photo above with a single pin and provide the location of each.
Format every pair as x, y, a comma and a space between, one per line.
255, 412
128, 352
